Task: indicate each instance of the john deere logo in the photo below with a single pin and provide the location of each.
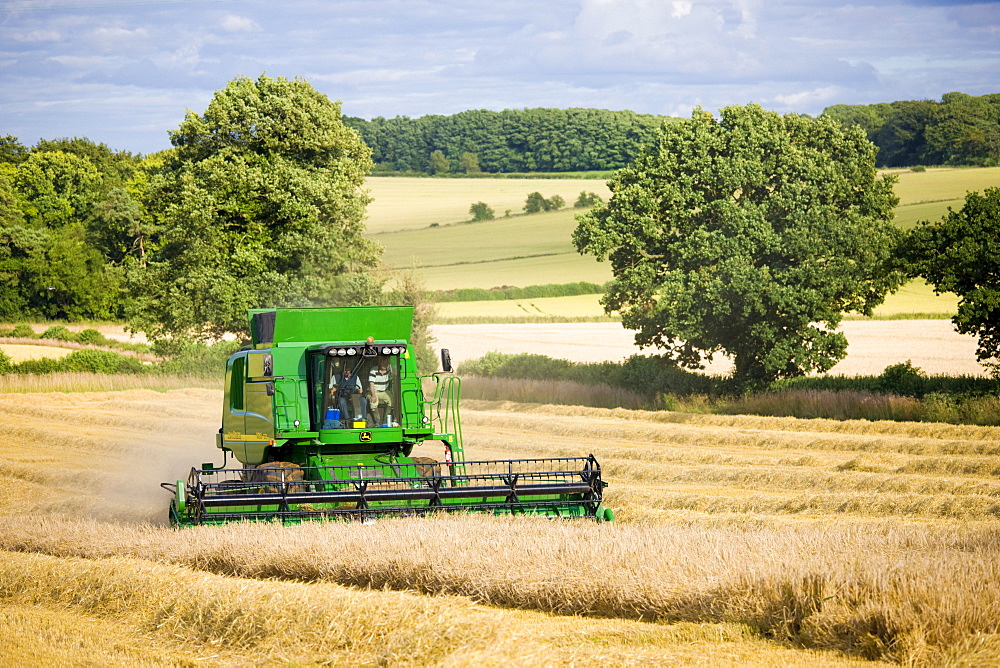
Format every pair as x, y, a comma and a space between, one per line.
366, 436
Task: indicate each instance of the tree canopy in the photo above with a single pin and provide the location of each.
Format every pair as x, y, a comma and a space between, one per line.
959, 130
961, 254
748, 235
54, 206
260, 204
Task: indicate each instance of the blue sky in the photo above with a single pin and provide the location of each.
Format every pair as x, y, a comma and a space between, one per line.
124, 72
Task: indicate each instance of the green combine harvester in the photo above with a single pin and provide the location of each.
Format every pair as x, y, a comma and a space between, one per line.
322, 413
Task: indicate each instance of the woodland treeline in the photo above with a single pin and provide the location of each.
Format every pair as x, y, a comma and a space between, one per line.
514, 140
959, 130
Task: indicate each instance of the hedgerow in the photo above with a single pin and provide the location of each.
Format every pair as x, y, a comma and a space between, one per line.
190, 359
651, 375
59, 333
511, 292
901, 392
102, 361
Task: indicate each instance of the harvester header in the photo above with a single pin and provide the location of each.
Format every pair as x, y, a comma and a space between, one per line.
323, 410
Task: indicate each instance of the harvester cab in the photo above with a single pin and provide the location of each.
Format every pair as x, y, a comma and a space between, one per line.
323, 410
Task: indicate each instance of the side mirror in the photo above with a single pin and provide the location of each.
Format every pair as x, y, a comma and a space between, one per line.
446, 360
260, 366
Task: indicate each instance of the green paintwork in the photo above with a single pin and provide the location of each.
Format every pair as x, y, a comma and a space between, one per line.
330, 325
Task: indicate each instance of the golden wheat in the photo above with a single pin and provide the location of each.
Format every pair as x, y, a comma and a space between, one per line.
116, 610
291, 622
914, 591
70, 381
22, 349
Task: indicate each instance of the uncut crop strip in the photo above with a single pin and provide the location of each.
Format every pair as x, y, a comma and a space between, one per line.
252, 620
118, 611
671, 464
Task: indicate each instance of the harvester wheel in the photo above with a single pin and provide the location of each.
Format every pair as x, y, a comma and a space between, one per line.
276, 472
427, 466
173, 519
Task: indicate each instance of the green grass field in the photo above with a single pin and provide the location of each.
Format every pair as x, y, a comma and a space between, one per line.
519, 251
917, 298
943, 183
576, 308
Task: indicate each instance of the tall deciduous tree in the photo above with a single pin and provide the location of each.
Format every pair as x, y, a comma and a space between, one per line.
534, 203
12, 151
438, 163
961, 254
748, 235
262, 205
469, 163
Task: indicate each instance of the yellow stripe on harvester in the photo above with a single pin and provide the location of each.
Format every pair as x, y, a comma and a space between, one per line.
237, 436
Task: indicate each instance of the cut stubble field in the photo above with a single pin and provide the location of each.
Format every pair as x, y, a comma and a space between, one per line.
931, 345
740, 541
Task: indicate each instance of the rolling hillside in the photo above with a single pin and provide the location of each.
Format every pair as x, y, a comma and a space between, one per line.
537, 249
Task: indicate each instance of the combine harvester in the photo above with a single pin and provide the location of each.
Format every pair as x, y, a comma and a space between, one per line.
323, 411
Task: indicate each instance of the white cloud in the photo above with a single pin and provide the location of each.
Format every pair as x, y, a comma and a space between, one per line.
234, 23
823, 96
376, 76
38, 36
387, 57
187, 54
129, 42
80, 62
117, 33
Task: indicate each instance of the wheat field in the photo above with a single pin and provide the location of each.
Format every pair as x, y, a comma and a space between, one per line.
739, 541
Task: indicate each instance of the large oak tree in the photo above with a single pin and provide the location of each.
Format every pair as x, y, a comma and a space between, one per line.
261, 204
749, 235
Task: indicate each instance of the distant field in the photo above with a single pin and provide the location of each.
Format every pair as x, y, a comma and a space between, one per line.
917, 298
943, 183
537, 249
928, 195
520, 251
931, 345
19, 353
408, 203
907, 216
576, 307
